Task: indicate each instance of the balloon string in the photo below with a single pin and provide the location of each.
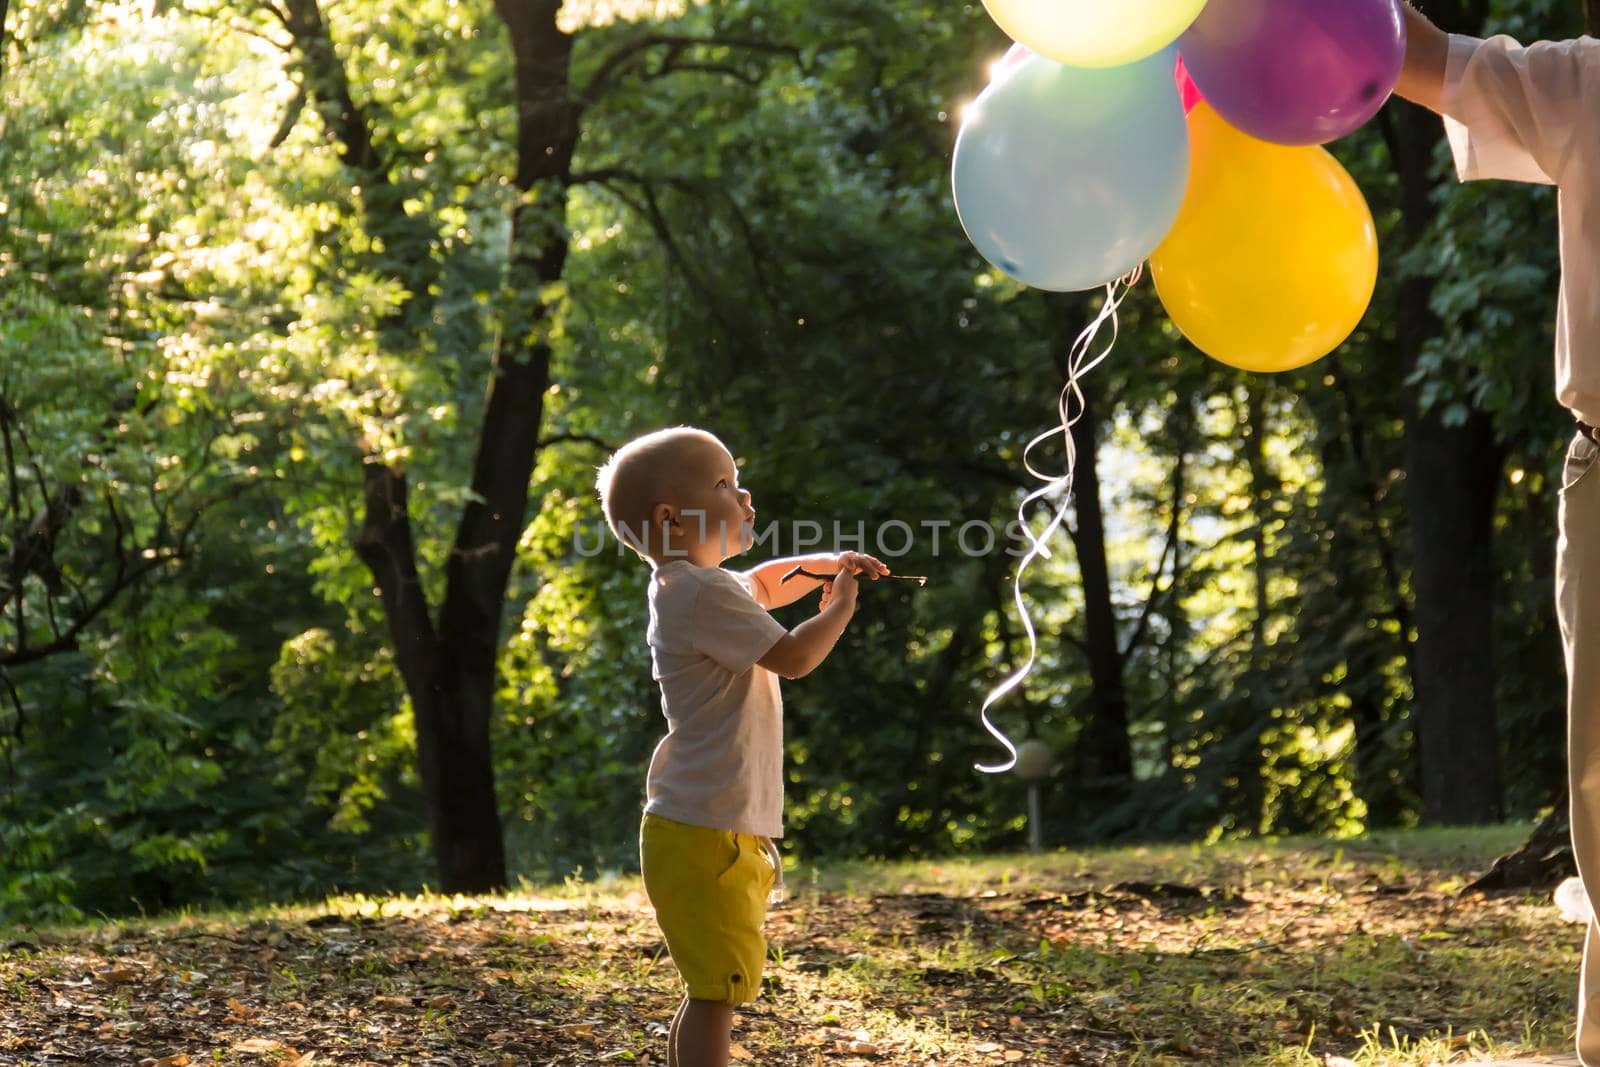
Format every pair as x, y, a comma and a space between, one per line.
1070, 407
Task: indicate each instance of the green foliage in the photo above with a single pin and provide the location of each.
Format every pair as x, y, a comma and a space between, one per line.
211, 311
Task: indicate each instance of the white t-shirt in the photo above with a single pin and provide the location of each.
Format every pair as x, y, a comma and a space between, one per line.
721, 763
1533, 115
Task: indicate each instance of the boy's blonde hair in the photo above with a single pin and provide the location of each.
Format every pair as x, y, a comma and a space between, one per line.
640, 475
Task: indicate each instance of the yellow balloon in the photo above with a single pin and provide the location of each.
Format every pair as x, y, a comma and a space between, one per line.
1094, 33
1273, 258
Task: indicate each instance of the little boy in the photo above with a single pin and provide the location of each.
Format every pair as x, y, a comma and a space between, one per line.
714, 792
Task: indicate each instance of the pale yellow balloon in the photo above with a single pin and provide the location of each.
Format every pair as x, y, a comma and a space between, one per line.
1273, 258
1094, 33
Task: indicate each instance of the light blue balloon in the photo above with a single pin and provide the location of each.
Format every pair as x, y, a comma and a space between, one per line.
1068, 177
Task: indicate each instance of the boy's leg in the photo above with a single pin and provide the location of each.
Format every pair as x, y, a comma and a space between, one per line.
1578, 607
672, 1032
705, 1030
709, 889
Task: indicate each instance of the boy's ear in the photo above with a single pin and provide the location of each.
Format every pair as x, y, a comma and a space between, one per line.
663, 515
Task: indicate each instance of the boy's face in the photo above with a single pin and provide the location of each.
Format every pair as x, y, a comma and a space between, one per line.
715, 516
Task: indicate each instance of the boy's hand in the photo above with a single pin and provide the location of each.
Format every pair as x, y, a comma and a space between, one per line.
850, 564
842, 588
862, 564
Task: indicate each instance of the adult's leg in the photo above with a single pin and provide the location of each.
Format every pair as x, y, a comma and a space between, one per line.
704, 1034
1578, 607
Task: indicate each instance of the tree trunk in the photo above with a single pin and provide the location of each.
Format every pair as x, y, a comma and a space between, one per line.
1452, 474
451, 683
1263, 488
1104, 749
450, 670
458, 691
453, 736
1453, 477
1543, 861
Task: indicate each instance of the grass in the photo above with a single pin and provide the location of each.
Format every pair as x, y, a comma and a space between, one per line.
1293, 952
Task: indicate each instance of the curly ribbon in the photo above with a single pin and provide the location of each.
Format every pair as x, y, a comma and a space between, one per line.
1070, 406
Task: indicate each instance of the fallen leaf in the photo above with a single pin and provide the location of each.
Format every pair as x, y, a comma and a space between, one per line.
392, 1002
117, 976
240, 1010
305, 1059
258, 1045
739, 1052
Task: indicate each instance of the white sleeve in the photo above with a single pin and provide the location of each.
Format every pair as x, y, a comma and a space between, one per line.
728, 625
1515, 113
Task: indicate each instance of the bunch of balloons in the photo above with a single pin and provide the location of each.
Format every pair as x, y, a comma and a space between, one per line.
1188, 133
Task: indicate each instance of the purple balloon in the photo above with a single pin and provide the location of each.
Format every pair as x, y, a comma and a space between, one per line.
1296, 72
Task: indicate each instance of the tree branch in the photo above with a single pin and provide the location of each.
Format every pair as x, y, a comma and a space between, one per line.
291, 115
124, 578
223, 18
386, 546
651, 209
329, 87
616, 64
759, 260
4, 8
1174, 528
19, 710
576, 438
408, 241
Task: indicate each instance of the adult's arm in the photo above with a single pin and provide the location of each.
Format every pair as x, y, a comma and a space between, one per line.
1427, 57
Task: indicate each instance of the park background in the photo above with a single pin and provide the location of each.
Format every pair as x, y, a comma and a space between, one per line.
316, 320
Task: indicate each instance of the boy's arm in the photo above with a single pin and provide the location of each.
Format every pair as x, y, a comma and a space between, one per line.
771, 591
1427, 55
798, 652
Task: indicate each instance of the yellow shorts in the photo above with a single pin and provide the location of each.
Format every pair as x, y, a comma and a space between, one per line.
709, 888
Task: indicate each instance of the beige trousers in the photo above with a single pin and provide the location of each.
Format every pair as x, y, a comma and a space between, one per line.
1578, 607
